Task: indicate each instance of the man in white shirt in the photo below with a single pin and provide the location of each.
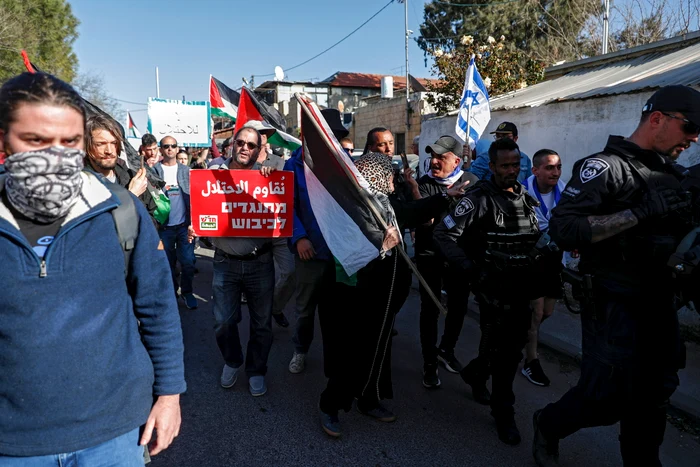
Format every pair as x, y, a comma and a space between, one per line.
545, 186
173, 233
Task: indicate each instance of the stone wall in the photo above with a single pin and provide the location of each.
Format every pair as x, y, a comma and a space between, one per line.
390, 114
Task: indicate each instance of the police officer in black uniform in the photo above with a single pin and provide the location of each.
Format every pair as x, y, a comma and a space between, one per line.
489, 238
625, 211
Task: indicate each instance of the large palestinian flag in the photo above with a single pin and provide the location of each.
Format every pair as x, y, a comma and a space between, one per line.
250, 108
338, 193
224, 100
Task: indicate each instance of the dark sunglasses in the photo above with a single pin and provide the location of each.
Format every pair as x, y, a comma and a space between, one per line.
169, 146
240, 143
689, 127
348, 150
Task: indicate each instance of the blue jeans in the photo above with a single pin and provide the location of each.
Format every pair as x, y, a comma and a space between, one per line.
122, 451
257, 279
177, 247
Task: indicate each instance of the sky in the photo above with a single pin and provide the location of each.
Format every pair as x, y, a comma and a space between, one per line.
189, 40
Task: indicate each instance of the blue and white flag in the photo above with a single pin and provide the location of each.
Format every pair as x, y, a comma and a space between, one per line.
474, 109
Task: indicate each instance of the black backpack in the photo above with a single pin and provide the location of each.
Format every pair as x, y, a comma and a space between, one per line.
126, 221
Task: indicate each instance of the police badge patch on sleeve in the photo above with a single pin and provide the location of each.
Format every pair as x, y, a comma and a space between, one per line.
593, 168
464, 207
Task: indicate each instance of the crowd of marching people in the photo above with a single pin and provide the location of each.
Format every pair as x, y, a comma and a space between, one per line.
105, 249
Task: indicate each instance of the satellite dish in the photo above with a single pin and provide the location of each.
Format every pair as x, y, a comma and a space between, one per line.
279, 73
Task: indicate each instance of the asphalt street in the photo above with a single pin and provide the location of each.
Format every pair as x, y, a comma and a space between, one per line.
228, 427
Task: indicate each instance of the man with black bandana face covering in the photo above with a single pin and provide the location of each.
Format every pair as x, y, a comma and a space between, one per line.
624, 209
86, 345
488, 238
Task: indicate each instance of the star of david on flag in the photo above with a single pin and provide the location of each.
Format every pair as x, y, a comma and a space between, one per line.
474, 109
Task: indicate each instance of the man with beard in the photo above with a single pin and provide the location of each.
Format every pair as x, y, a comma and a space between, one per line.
445, 171
103, 145
244, 264
489, 238
624, 211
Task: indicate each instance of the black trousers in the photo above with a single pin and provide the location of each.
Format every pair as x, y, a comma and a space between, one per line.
436, 273
628, 373
338, 344
503, 335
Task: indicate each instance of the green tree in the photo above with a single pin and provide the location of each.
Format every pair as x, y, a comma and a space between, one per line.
503, 69
546, 30
46, 29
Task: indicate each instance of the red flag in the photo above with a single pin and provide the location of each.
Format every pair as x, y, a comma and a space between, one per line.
247, 110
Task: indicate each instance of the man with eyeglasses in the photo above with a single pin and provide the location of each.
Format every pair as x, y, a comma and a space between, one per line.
173, 232
625, 211
243, 264
480, 166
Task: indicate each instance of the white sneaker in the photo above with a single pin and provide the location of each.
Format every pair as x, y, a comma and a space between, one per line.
296, 365
228, 376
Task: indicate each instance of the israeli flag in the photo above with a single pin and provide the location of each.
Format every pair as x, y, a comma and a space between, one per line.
474, 109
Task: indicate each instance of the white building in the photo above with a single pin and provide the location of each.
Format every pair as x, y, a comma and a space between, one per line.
583, 102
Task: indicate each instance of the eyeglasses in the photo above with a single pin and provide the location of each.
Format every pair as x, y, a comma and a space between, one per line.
348, 151
168, 146
689, 127
240, 143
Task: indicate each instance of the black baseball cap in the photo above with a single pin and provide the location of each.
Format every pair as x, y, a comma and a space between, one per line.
506, 127
445, 144
676, 98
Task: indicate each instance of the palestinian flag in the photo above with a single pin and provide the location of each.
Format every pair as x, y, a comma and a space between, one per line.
131, 131
250, 108
224, 100
338, 195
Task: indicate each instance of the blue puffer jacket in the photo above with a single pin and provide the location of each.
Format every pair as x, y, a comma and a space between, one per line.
74, 371
305, 225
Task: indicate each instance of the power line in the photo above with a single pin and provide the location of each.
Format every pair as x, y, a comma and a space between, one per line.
334, 45
128, 102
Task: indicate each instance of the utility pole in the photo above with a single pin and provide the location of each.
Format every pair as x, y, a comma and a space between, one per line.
408, 81
157, 84
606, 26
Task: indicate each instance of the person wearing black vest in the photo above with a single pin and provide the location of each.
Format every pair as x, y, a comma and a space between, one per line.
489, 238
625, 211
445, 170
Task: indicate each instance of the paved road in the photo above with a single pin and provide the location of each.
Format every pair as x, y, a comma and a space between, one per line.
228, 427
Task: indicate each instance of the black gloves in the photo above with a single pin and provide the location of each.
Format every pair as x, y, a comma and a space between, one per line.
659, 202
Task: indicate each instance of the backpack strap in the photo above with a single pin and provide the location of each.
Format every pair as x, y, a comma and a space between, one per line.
126, 221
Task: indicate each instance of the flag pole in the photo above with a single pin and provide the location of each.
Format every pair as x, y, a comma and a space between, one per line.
470, 80
373, 209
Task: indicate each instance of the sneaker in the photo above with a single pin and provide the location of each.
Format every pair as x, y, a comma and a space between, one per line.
257, 386
297, 364
330, 424
545, 452
507, 431
430, 376
281, 320
229, 376
533, 372
480, 392
380, 413
190, 301
447, 358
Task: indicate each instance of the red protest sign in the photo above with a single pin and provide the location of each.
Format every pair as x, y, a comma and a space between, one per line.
241, 203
